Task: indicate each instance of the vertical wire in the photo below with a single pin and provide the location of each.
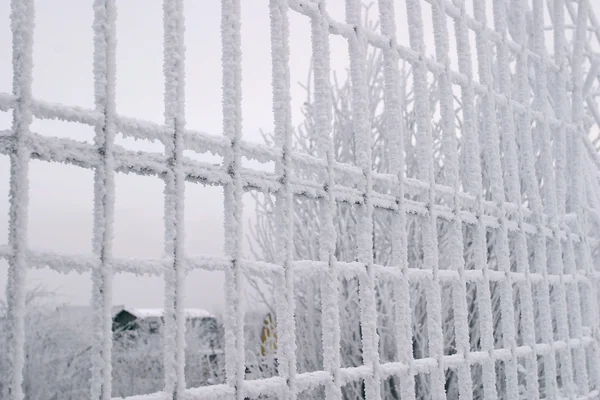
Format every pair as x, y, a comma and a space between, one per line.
282, 114
452, 173
174, 317
22, 25
395, 132
233, 191
512, 174
328, 235
560, 146
105, 14
492, 150
362, 141
557, 299
426, 174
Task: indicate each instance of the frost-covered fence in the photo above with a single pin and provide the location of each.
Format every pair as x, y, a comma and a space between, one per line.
525, 120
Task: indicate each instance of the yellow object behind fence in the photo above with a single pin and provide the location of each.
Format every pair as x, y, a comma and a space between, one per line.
268, 337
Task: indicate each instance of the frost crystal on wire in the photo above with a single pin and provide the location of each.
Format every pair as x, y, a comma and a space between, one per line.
513, 184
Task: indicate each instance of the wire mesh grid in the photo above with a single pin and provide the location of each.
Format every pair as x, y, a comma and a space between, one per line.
550, 220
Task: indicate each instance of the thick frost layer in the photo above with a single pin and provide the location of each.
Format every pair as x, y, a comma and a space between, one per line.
104, 194
22, 17
517, 171
174, 272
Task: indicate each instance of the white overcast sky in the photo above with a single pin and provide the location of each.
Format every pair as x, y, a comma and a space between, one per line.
60, 210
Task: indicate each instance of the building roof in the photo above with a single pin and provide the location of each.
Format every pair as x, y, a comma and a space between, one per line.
190, 313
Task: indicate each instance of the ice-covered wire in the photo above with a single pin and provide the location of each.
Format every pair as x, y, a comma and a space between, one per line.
395, 132
556, 299
521, 246
364, 241
513, 194
473, 184
452, 173
491, 143
426, 174
231, 60
104, 195
22, 23
282, 114
327, 204
174, 177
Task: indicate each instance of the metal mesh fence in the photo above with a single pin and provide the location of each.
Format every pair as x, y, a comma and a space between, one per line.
527, 107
